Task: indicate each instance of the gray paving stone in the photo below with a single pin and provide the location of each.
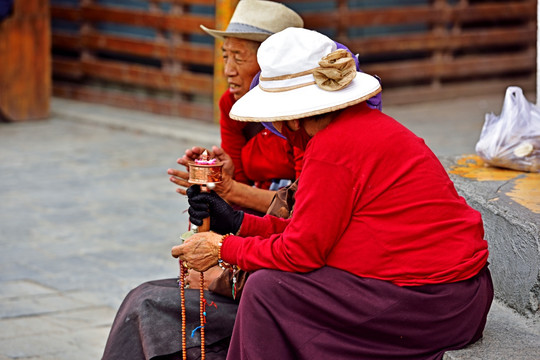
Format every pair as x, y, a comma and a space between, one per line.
27, 326
84, 344
38, 304
23, 288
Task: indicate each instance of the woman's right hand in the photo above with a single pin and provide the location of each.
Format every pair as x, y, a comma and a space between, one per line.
223, 189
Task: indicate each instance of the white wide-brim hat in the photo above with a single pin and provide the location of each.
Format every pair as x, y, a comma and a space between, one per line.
288, 88
256, 20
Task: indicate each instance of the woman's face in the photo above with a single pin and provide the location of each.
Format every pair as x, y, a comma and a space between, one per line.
240, 64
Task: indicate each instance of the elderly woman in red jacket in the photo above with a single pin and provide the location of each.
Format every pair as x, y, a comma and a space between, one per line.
381, 259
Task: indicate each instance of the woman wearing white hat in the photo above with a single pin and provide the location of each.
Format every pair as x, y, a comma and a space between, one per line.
381, 259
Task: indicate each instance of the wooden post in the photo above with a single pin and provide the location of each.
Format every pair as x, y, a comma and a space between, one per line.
224, 11
25, 58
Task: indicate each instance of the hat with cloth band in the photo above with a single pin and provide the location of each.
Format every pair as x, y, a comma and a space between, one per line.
302, 74
256, 20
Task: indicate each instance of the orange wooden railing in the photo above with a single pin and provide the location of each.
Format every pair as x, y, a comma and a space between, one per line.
440, 49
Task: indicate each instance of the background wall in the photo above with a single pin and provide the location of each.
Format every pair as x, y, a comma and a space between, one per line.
151, 54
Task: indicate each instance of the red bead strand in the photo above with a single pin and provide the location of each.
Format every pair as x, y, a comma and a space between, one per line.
183, 272
202, 308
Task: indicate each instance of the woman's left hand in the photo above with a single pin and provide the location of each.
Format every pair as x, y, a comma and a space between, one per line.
180, 177
199, 252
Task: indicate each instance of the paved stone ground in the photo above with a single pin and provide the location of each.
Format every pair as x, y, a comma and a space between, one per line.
87, 213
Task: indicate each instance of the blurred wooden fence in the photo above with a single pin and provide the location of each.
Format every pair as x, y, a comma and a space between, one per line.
151, 54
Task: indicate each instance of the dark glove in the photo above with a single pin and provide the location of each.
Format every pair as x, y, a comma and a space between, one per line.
223, 218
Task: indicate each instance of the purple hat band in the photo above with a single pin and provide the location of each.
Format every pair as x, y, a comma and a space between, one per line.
272, 129
267, 125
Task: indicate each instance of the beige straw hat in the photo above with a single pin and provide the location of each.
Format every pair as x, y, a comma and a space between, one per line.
302, 74
256, 20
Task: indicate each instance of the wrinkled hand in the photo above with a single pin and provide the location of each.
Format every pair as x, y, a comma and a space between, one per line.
193, 278
227, 174
223, 218
180, 178
199, 252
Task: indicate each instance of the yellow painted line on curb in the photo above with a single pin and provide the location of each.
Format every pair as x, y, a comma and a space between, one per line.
525, 186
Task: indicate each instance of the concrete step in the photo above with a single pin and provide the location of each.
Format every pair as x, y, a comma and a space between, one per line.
510, 205
507, 336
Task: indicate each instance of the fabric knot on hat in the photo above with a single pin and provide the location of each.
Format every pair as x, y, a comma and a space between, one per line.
303, 74
336, 70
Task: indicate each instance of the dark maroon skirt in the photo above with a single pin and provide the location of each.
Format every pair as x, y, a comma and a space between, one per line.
331, 314
148, 324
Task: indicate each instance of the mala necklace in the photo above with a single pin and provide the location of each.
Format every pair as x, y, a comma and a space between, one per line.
205, 172
202, 301
202, 310
182, 281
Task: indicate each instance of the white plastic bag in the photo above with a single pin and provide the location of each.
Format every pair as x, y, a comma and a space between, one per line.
512, 140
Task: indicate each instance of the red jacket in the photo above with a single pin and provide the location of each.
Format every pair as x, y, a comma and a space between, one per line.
260, 159
372, 200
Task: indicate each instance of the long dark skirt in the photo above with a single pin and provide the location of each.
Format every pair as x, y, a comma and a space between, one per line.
331, 314
148, 324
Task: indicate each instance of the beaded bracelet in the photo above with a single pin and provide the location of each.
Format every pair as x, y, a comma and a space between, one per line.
232, 268
222, 264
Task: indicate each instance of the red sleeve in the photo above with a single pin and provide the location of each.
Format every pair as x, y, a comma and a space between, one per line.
232, 137
308, 239
267, 225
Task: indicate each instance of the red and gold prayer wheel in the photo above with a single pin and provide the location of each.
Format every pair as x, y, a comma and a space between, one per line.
202, 174
205, 171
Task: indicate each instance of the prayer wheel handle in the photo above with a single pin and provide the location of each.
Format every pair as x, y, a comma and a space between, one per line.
205, 226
